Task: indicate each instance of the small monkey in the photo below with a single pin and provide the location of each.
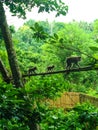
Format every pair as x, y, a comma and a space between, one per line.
32, 70
70, 61
50, 68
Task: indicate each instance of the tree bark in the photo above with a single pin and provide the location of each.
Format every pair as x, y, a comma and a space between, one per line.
4, 72
10, 48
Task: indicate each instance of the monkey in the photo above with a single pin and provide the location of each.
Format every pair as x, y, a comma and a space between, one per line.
70, 61
32, 70
50, 68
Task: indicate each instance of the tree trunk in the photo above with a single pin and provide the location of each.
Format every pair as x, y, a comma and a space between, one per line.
10, 48
4, 72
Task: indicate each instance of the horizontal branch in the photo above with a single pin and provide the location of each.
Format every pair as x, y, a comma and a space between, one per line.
87, 68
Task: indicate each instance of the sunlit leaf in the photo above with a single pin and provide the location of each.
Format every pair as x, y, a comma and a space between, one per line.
95, 56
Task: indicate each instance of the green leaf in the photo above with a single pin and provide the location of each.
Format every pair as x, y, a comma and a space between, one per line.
96, 66
36, 25
95, 56
53, 41
94, 48
61, 40
33, 28
56, 36
41, 9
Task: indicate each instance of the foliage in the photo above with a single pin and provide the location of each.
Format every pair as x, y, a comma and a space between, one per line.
39, 45
19, 7
39, 32
82, 117
46, 87
16, 109
19, 106
9, 108
53, 50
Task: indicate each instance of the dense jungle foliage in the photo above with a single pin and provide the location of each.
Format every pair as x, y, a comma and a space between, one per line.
42, 44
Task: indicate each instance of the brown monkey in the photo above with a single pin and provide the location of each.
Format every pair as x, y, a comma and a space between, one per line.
50, 68
32, 70
70, 61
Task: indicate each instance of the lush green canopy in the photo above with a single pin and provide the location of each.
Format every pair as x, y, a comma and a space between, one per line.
19, 7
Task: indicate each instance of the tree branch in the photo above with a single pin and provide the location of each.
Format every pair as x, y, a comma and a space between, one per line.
4, 72
87, 68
